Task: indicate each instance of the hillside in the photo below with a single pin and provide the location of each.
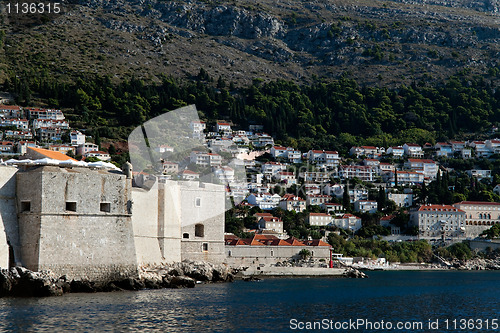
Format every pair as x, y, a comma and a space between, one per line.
374, 42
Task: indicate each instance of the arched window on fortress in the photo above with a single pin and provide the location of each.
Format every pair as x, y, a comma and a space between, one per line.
199, 230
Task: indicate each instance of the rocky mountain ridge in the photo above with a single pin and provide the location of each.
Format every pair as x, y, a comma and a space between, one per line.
389, 41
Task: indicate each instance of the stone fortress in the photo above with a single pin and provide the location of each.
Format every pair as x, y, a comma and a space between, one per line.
89, 223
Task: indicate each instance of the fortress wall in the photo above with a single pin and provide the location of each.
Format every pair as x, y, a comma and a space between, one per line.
203, 204
91, 247
145, 225
170, 220
9, 231
472, 231
93, 241
249, 255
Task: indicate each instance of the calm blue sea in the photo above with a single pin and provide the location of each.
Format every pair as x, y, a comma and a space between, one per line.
275, 305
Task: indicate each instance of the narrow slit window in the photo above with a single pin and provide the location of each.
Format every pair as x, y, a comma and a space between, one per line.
199, 230
105, 207
205, 247
71, 206
25, 206
198, 202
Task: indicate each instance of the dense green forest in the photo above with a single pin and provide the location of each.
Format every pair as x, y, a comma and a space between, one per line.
333, 114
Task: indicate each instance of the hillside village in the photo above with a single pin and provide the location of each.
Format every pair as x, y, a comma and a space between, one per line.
288, 194
345, 192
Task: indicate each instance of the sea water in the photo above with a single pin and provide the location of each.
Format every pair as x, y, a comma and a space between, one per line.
429, 301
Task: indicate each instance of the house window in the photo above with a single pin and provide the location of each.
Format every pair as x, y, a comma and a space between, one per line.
71, 206
105, 207
229, 253
25, 206
198, 202
199, 230
185, 235
272, 253
205, 247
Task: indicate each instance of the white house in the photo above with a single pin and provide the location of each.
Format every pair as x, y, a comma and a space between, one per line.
397, 152
223, 127
348, 222
436, 221
365, 206
428, 168
265, 201
401, 199
317, 199
413, 150
103, 156
291, 202
277, 151
198, 127
479, 174
480, 148
271, 223
333, 208
287, 178
77, 138
84, 148
205, 159
190, 175
404, 178
319, 219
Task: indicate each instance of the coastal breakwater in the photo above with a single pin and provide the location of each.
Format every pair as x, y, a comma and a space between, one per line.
21, 282
273, 271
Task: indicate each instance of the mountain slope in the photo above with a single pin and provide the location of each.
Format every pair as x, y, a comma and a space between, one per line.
386, 42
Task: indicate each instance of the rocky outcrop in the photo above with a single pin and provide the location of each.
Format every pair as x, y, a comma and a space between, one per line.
354, 273
197, 271
477, 264
21, 282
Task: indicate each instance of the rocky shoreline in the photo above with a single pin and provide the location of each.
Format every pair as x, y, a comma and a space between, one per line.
476, 264
21, 282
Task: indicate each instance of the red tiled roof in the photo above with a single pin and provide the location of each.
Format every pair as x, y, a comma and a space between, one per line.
189, 172
294, 242
478, 203
316, 242
262, 214
10, 107
55, 155
445, 208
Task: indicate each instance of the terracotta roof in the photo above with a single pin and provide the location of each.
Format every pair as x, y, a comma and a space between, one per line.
9, 107
417, 160
349, 215
55, 155
190, 172
97, 152
316, 242
439, 208
292, 197
294, 242
262, 214
478, 203
271, 219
